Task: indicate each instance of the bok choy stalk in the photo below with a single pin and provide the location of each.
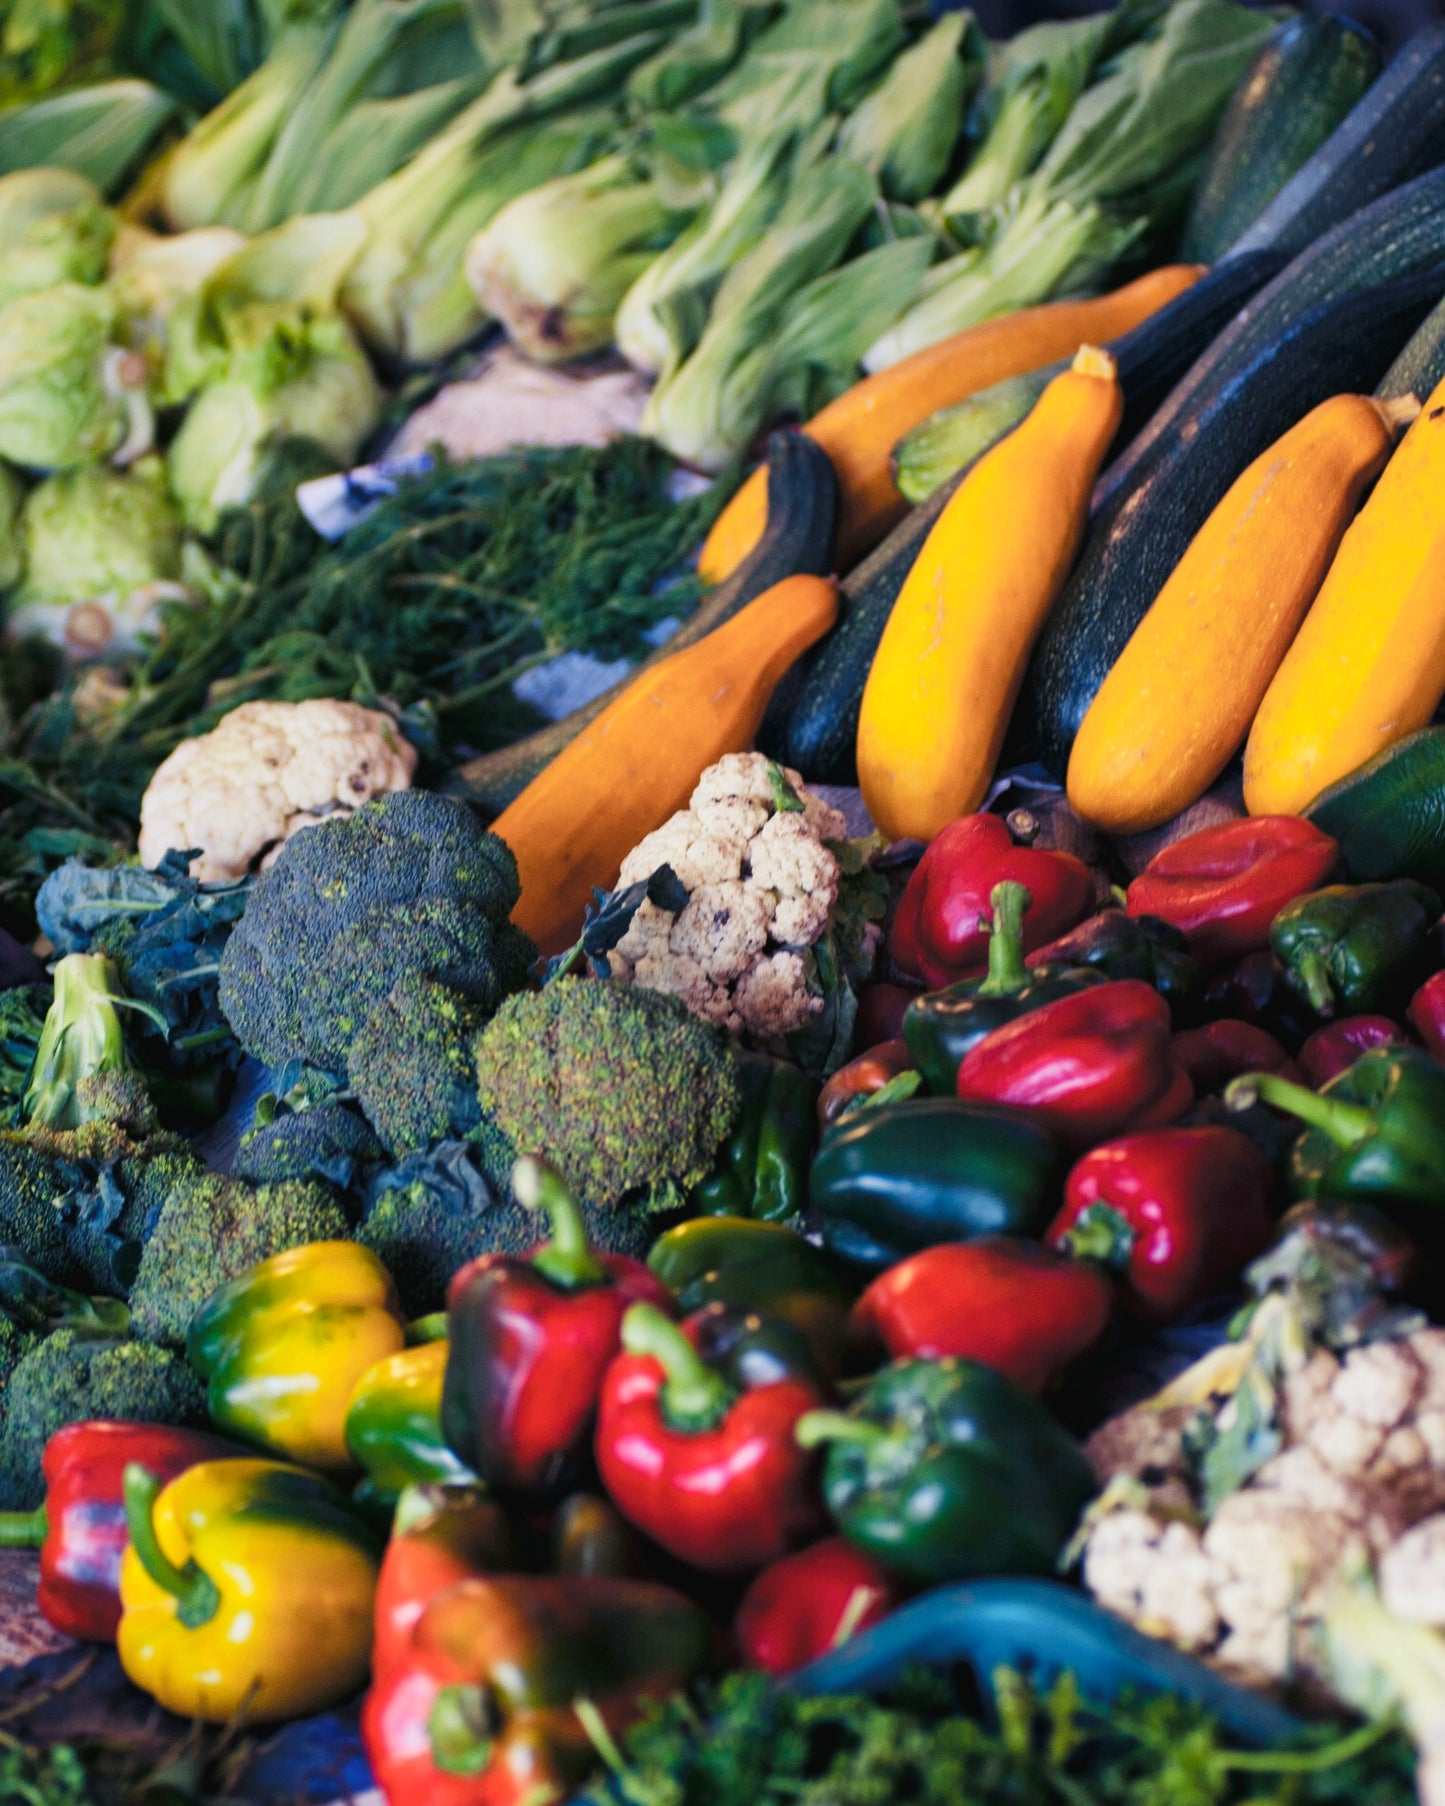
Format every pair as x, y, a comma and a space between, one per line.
1119, 171
53, 228
100, 132
151, 275
818, 58
905, 130
68, 394
697, 57
554, 264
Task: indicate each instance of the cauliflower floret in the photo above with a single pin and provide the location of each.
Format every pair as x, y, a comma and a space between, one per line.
773, 998
268, 770
723, 928
1412, 1573
1155, 1574
1378, 1384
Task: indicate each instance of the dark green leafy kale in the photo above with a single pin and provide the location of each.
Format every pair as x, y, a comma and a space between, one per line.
413, 1066
434, 1211
842, 961
409, 883
69, 1377
327, 1141
212, 1229
22, 1017
608, 917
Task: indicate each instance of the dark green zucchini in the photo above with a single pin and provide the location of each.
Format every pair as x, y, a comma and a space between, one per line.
1389, 816
799, 540
1303, 83
1393, 134
1343, 342
1420, 367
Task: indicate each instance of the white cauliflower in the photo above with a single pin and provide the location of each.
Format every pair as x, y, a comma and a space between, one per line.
751, 850
269, 769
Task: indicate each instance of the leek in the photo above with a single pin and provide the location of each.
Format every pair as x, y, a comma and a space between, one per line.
905, 130
100, 132
955, 437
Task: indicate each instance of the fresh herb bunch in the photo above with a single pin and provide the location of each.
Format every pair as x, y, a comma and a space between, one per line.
744, 1742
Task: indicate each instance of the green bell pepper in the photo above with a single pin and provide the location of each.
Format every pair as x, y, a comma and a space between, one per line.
942, 1026
892, 1180
1355, 949
393, 1424
762, 1168
945, 1470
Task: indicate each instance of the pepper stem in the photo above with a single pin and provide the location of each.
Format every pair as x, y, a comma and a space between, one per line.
23, 1529
461, 1728
1006, 970
566, 1257
197, 1596
1313, 973
693, 1396
1101, 1233
814, 1429
1345, 1124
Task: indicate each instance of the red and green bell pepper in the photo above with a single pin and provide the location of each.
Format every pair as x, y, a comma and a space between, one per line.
1356, 947
808, 1603
1117, 945
441, 1534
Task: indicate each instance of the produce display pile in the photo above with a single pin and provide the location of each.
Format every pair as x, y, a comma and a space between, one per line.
856, 1218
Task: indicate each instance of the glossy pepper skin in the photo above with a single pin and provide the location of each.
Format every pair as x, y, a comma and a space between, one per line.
1220, 1051
394, 1423
1014, 1306
80, 1530
701, 1462
945, 1470
246, 1584
1223, 886
939, 933
900, 1177
942, 1026
1355, 947
808, 1603
441, 1534
1172, 1213
530, 1340
1426, 1014
1125, 946
479, 1711
1333, 1049
762, 1168
864, 1076
282, 1347
1375, 1134
1087, 1066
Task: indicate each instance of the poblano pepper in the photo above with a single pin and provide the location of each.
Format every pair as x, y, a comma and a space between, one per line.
1354, 948
942, 1026
762, 1168
945, 1470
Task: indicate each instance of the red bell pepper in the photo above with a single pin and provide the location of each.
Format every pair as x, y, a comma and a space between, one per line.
440, 1535
1334, 1048
708, 1469
1174, 1213
530, 1339
80, 1529
861, 1077
1426, 1014
1019, 1308
809, 1603
940, 932
1087, 1066
1221, 1051
1223, 886
881, 1009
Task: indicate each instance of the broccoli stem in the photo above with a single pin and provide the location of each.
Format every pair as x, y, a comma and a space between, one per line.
693, 1397
81, 1039
566, 1258
197, 1596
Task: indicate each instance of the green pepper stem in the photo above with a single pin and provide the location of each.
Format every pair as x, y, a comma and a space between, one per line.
197, 1596
461, 1728
693, 1397
1345, 1124
1100, 1233
816, 1428
23, 1529
1313, 973
432, 1328
566, 1258
1006, 970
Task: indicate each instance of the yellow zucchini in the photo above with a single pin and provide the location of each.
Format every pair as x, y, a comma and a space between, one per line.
948, 667
1176, 707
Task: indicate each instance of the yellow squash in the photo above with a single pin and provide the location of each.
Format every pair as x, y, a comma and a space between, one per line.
949, 665
1368, 665
860, 429
640, 760
1176, 708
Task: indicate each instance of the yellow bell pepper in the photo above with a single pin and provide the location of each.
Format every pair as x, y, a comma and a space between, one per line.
394, 1424
248, 1586
282, 1347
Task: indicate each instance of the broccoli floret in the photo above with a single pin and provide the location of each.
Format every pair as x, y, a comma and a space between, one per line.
15, 1344
408, 883
622, 1089
328, 1142
212, 1229
413, 1065
67, 1378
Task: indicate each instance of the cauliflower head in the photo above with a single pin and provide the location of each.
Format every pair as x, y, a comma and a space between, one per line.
267, 771
751, 849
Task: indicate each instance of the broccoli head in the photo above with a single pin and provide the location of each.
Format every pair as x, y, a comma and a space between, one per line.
413, 1066
328, 1141
67, 1378
82, 1072
212, 1229
22, 1020
622, 1089
408, 883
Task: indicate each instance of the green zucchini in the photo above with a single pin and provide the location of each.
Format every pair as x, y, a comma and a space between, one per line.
1389, 816
1341, 342
1420, 367
1308, 76
798, 541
